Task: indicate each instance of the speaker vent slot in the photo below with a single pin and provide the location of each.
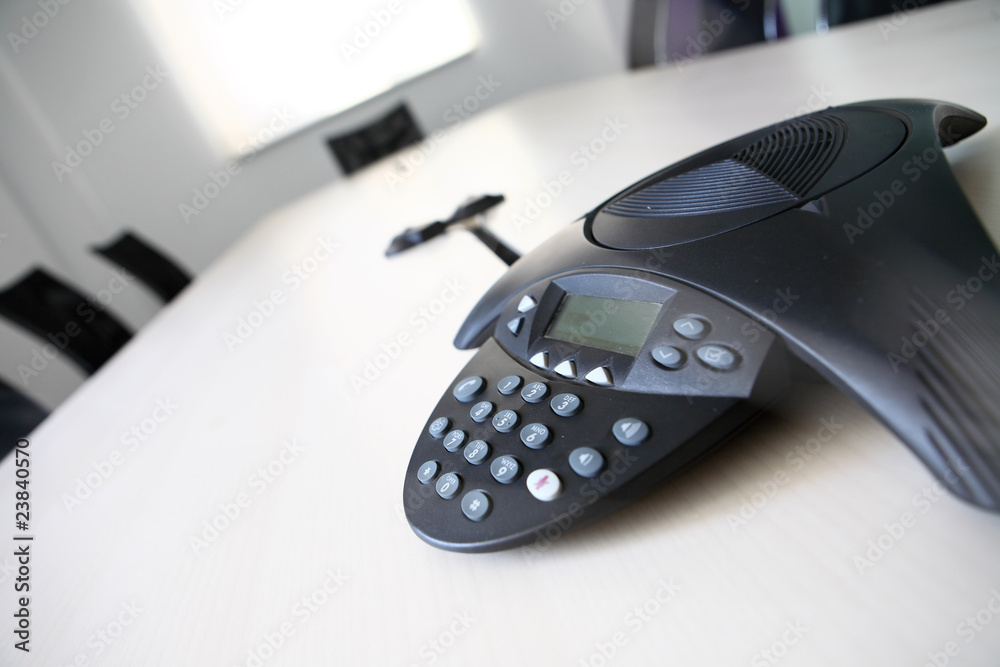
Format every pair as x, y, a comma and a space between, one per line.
780, 167
797, 153
721, 186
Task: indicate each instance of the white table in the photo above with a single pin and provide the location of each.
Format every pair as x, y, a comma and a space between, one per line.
319, 561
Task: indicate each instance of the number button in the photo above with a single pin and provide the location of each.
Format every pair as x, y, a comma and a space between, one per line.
566, 405
536, 436
505, 421
448, 486
481, 411
454, 440
505, 469
509, 385
476, 452
535, 392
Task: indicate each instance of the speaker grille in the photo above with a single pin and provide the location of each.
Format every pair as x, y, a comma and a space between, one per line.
721, 186
781, 167
797, 153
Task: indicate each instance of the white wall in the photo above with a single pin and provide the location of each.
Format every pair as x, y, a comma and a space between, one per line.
59, 83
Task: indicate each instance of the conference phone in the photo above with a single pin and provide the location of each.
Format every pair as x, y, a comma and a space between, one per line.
642, 336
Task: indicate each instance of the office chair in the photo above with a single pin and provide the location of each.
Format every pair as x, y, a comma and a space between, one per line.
664, 31
838, 12
19, 416
64, 318
388, 134
151, 266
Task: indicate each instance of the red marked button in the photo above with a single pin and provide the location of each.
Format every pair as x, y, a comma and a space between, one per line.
544, 484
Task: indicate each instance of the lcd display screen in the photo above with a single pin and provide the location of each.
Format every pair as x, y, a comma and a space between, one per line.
615, 325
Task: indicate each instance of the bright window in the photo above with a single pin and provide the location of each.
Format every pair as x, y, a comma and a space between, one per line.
255, 70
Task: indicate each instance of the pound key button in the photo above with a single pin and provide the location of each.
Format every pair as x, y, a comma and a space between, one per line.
476, 505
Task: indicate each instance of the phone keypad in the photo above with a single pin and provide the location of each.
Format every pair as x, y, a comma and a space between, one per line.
506, 468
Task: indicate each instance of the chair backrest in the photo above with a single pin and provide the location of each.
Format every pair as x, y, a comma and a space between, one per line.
664, 31
838, 12
150, 265
19, 416
64, 318
358, 148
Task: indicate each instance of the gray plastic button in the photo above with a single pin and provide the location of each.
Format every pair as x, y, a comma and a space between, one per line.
514, 326
690, 327
476, 505
448, 485
534, 392
526, 304
505, 421
476, 452
536, 436
427, 472
566, 405
505, 469
509, 384
481, 411
468, 388
630, 431
716, 357
668, 357
454, 440
586, 461
439, 427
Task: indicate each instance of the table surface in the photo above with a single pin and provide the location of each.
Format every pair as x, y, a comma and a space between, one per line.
300, 467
